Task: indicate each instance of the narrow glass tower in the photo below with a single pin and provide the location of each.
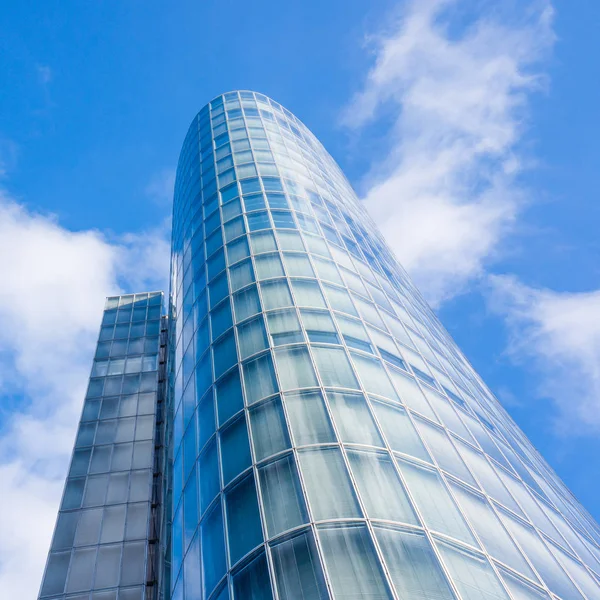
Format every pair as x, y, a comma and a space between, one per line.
329, 438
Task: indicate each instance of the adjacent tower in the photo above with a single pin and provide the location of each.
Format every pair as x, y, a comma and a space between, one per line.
306, 429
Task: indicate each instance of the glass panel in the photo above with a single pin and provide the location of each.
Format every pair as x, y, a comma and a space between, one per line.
252, 337
298, 265
352, 565
284, 327
328, 486
380, 488
298, 570
434, 502
282, 495
443, 451
208, 467
353, 419
413, 566
411, 394
213, 548
235, 449
309, 420
541, 558
334, 367
276, 294
82, 570
295, 368
520, 589
308, 293
487, 477
259, 379
229, 396
252, 582
373, 376
246, 303
490, 531
268, 265
472, 574
399, 430
108, 564
269, 431
243, 519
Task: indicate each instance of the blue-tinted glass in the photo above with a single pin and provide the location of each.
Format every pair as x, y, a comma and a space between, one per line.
213, 548
225, 354
208, 467
235, 449
243, 519
252, 582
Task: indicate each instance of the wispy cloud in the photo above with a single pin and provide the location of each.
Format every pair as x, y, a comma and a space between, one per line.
556, 334
453, 97
53, 286
160, 188
44, 74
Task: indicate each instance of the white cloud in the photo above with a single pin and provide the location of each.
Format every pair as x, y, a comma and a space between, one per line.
455, 98
53, 286
558, 334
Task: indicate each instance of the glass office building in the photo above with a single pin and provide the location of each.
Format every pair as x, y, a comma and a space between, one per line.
326, 437
105, 541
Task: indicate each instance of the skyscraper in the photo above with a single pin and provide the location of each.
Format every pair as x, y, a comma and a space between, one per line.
319, 434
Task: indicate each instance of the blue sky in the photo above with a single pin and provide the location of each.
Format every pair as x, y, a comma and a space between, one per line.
469, 128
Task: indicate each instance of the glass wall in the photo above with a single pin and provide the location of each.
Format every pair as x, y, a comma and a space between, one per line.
100, 546
329, 438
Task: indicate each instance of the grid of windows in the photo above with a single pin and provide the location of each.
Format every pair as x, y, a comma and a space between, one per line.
100, 544
330, 439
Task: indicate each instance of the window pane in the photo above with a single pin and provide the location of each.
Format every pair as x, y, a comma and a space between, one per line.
541, 558
380, 488
443, 451
295, 368
269, 431
268, 265
309, 420
235, 449
352, 564
208, 467
413, 566
411, 395
282, 496
334, 367
319, 326
328, 486
353, 419
399, 431
213, 548
252, 337
246, 303
229, 396
472, 574
435, 503
308, 293
490, 531
243, 519
298, 265
259, 379
298, 570
487, 477
253, 582
284, 327
373, 376
276, 294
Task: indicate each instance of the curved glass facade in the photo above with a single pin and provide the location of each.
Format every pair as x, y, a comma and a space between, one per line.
329, 438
